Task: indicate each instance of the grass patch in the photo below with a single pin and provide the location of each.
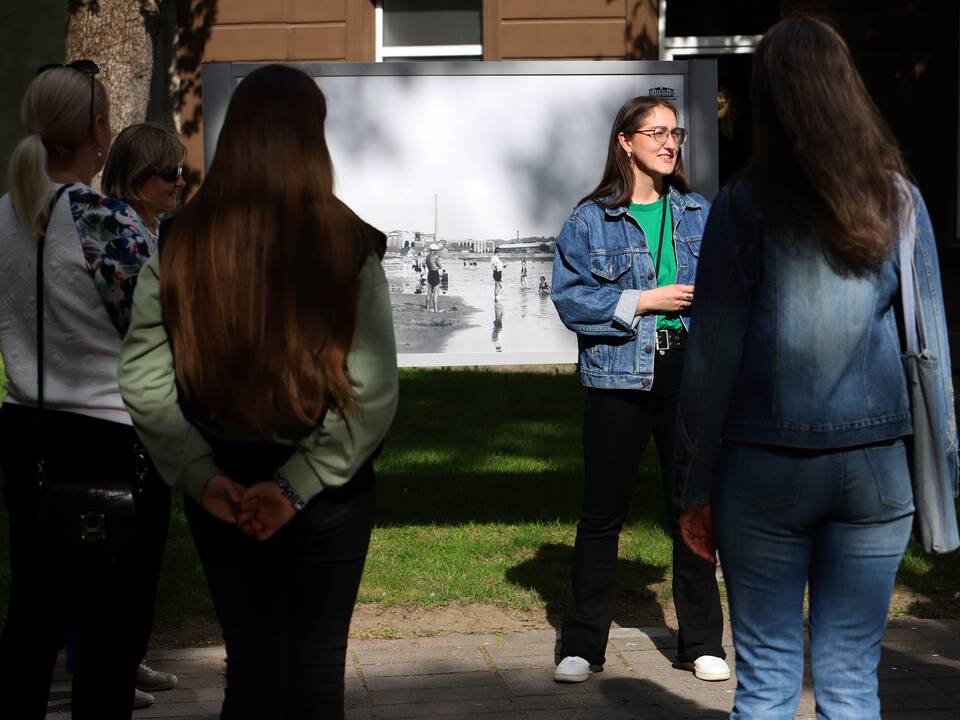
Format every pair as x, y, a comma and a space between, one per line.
478, 494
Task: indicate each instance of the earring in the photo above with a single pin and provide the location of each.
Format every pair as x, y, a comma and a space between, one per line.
99, 153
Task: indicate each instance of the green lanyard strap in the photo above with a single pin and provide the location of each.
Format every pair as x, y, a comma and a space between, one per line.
663, 221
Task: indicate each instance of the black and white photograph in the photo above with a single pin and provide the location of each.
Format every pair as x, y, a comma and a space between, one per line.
471, 177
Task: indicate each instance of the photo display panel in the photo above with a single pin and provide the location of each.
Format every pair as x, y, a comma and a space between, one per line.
471, 170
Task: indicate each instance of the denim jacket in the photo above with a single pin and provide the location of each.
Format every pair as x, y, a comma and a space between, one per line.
602, 263
788, 351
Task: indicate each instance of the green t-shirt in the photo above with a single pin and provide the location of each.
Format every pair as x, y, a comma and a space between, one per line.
648, 216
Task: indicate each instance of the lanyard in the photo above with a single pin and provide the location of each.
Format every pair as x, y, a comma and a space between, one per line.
663, 220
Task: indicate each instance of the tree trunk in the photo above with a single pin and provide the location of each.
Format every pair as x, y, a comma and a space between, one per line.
118, 35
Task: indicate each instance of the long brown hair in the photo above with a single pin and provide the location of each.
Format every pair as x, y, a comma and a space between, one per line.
824, 162
259, 273
617, 180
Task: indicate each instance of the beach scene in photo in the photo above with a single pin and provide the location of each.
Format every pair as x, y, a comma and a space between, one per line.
470, 319
458, 168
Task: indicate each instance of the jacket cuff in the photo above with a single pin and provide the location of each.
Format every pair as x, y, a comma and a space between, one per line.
300, 478
626, 310
689, 500
196, 475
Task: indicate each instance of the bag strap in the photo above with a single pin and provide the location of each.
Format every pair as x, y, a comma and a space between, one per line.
913, 325
41, 241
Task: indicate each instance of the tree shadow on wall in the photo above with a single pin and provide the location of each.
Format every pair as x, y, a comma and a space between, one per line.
642, 34
193, 24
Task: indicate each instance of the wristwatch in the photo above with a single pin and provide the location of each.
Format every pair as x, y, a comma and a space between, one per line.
296, 502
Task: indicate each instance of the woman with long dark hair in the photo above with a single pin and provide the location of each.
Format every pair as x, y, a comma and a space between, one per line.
623, 281
795, 406
260, 370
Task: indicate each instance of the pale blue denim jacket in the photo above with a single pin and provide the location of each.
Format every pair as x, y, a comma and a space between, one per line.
788, 351
602, 263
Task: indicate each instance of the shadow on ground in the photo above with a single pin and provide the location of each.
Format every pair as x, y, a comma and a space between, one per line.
637, 605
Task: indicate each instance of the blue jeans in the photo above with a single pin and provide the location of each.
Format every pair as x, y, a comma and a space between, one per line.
838, 520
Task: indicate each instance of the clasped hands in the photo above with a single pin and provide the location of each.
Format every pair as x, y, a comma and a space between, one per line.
259, 510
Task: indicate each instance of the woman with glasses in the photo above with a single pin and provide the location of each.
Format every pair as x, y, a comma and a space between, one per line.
260, 369
623, 281
93, 250
795, 405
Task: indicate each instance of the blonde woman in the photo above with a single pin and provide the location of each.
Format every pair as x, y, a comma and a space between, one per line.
94, 248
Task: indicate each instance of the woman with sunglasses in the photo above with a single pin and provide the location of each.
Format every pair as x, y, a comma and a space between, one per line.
260, 370
93, 250
623, 281
145, 169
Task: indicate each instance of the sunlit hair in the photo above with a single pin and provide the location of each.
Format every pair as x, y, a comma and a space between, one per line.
824, 163
616, 186
138, 152
259, 273
56, 114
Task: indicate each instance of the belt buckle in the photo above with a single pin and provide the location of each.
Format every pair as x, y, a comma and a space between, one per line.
664, 336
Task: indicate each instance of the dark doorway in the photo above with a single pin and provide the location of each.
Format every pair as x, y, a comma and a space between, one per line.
733, 110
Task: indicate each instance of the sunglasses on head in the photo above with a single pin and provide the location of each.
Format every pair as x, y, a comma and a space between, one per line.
169, 174
87, 67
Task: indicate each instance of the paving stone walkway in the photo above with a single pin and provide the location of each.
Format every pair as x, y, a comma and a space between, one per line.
509, 677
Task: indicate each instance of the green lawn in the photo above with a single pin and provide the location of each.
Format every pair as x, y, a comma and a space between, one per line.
477, 499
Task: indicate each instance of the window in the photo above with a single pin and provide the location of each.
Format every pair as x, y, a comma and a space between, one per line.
727, 31
713, 27
687, 18
428, 30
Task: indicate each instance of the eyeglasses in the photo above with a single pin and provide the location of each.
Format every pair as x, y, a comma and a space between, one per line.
169, 174
660, 134
87, 67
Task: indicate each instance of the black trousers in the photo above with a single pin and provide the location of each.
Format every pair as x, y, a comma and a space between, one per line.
109, 604
285, 604
616, 428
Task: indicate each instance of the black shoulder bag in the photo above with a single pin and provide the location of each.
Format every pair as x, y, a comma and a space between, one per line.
87, 505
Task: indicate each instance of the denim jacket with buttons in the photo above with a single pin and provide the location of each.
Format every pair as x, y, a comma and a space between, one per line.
788, 350
602, 263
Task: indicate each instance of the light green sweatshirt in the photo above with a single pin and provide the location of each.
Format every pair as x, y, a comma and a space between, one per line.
330, 455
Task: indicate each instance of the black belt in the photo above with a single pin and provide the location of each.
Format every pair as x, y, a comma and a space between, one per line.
671, 340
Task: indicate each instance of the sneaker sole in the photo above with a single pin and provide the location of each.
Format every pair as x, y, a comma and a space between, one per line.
709, 677
571, 678
159, 687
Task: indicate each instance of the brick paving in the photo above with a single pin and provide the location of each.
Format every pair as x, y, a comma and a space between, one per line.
509, 677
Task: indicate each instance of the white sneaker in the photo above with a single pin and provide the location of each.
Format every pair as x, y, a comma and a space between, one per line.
142, 699
150, 680
708, 667
572, 669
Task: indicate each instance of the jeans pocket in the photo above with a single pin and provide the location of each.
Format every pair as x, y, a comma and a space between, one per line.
892, 473
769, 477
